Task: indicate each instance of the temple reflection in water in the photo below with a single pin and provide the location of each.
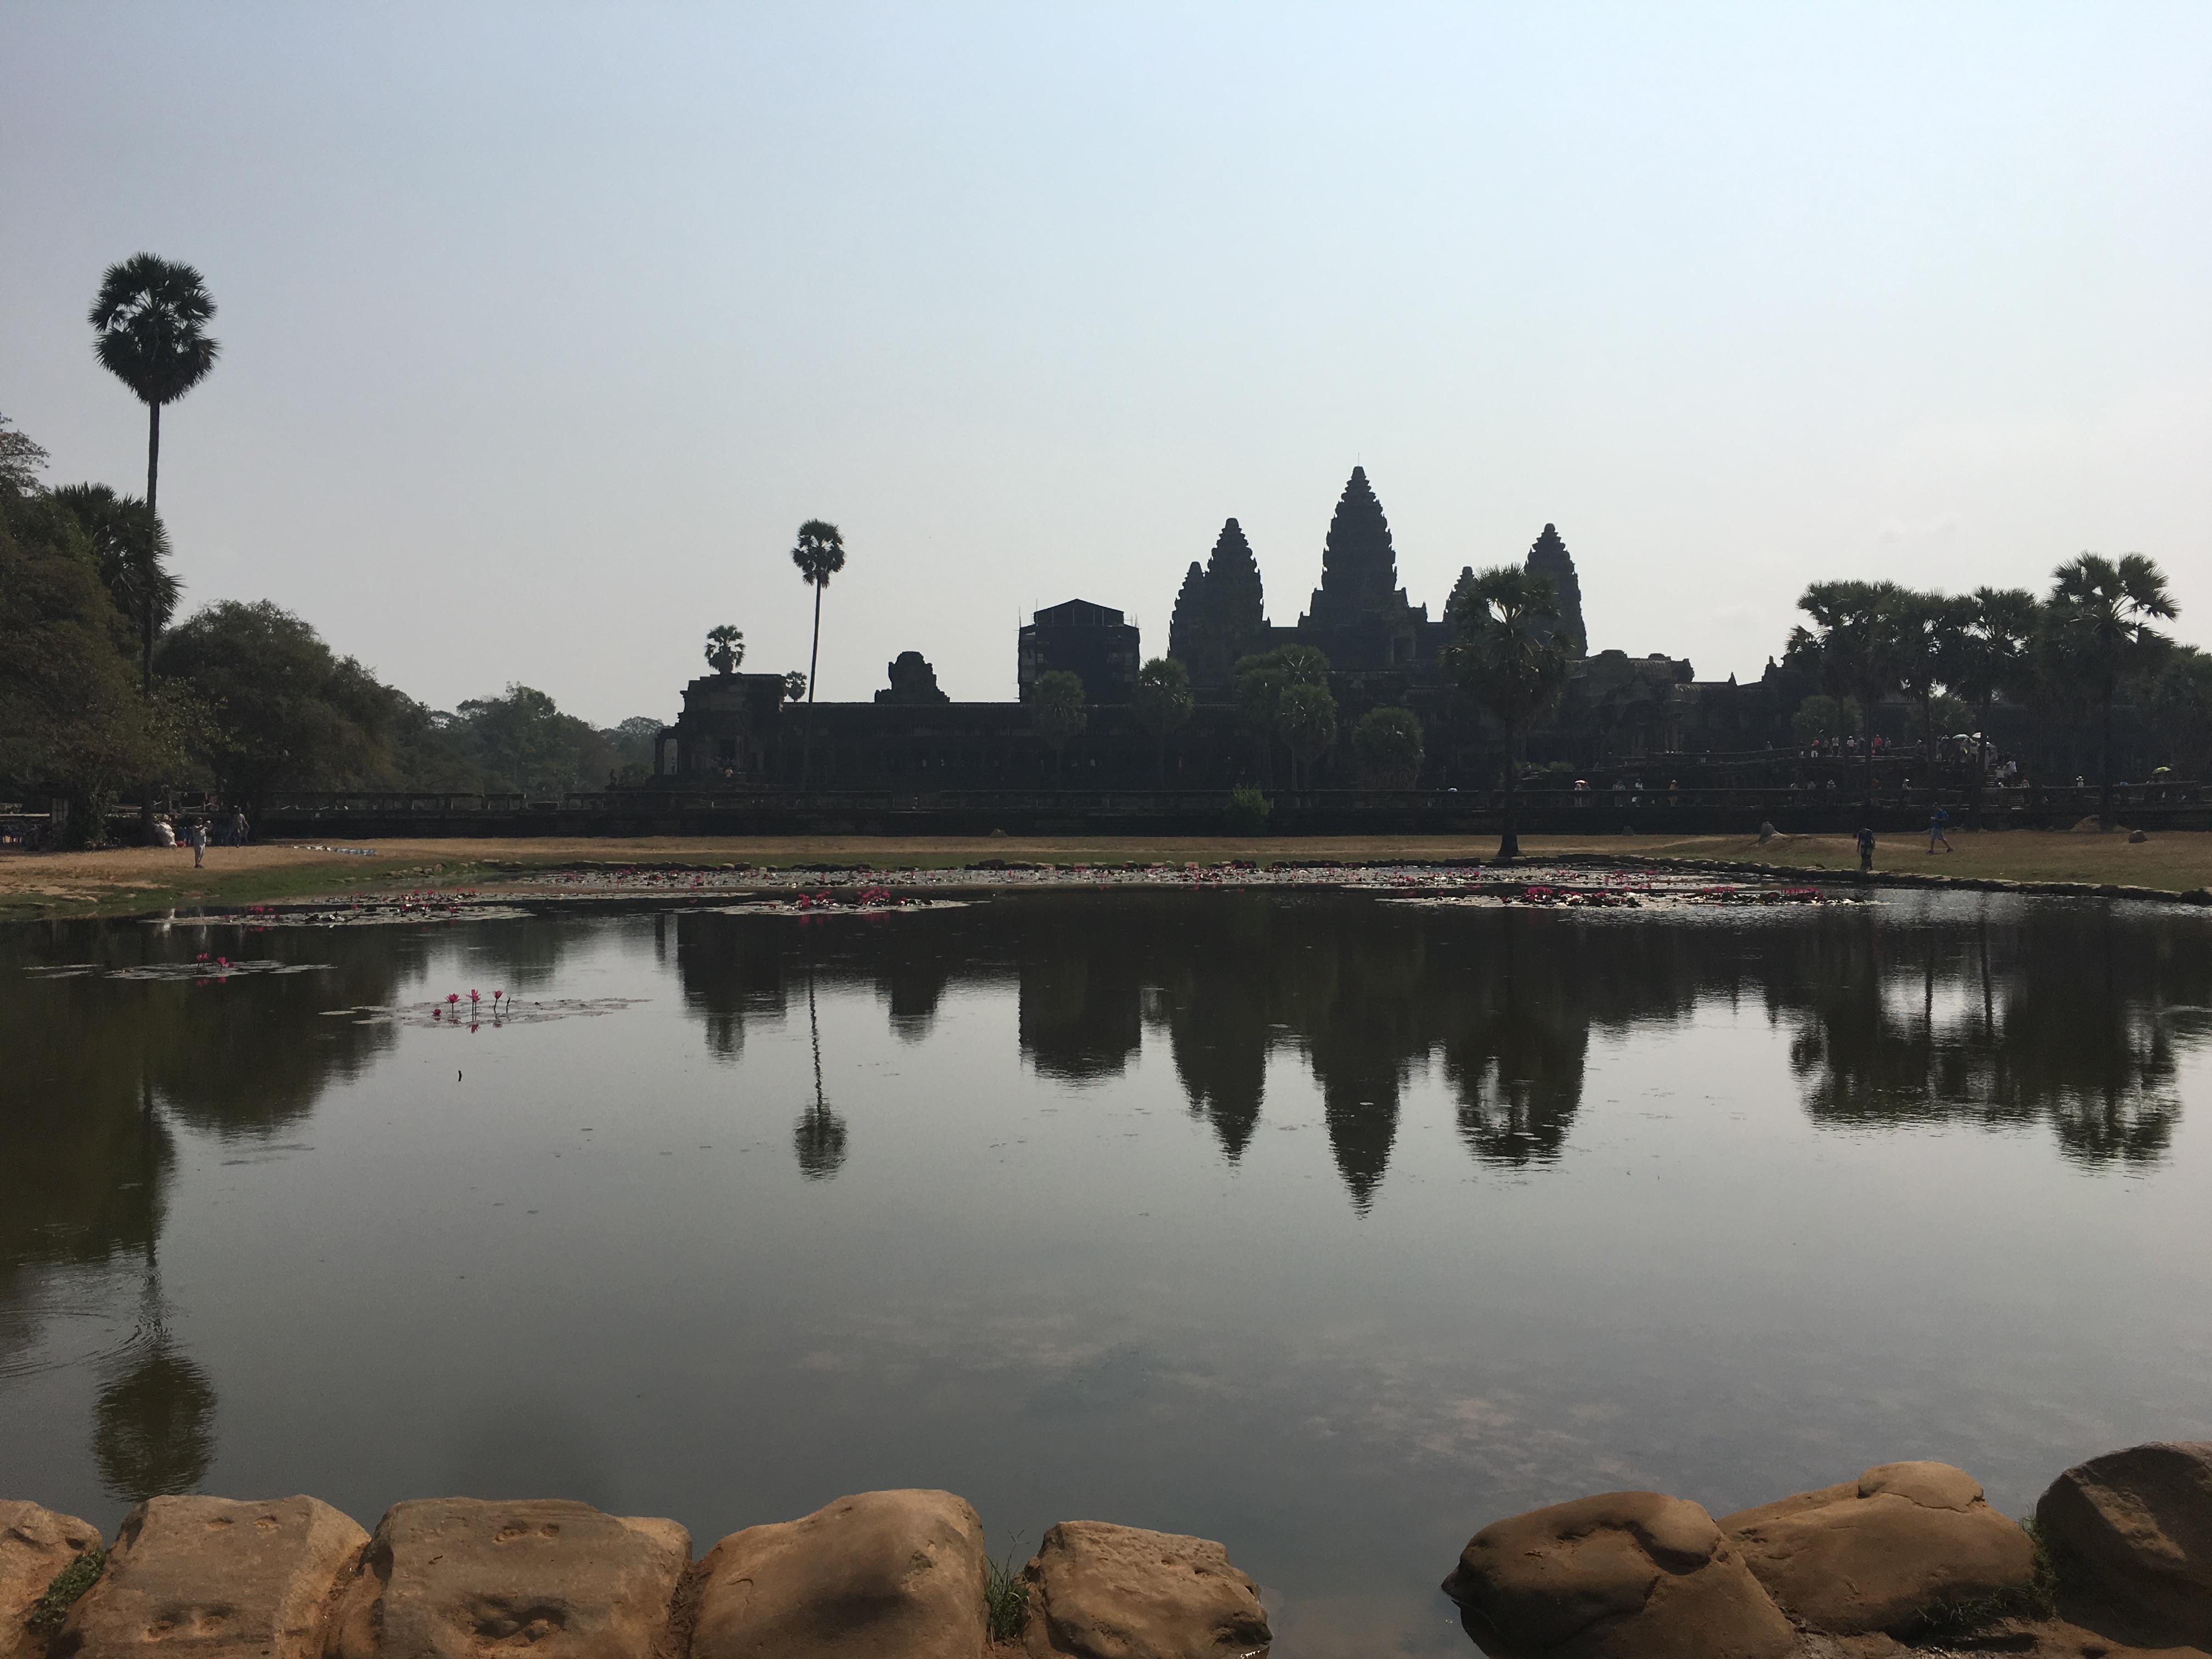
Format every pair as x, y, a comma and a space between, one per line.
2069, 1021
2008, 1015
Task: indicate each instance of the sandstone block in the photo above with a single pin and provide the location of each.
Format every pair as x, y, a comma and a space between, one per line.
35, 1543
880, 1575
216, 1578
1098, 1591
457, 1577
1874, 1553
2141, 1522
1626, 1575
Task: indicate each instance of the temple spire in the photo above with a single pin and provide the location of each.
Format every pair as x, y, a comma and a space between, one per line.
1220, 614
1549, 556
1358, 566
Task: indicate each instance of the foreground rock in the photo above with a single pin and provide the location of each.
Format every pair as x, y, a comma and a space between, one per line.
1877, 1552
35, 1543
213, 1577
1099, 1591
881, 1575
1629, 1574
452, 1577
2139, 1523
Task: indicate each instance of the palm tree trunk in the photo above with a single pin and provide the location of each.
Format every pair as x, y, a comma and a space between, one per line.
1866, 744
813, 665
2105, 779
153, 454
1509, 839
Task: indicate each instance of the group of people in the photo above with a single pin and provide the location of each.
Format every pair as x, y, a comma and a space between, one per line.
194, 832
1830, 748
1938, 822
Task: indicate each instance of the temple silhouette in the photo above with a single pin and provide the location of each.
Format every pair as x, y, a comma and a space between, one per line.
741, 730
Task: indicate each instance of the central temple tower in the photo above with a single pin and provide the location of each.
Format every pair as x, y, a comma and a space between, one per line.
1360, 616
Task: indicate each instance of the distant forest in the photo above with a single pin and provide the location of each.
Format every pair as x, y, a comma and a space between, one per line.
104, 695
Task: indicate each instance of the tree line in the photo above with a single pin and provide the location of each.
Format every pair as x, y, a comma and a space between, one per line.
106, 695
2071, 658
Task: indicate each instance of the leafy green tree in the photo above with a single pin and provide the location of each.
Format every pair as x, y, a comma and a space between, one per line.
2179, 707
2098, 620
150, 322
526, 745
1305, 720
1262, 679
1057, 713
633, 742
1387, 744
1163, 701
1851, 647
73, 721
132, 549
1508, 653
1823, 718
430, 748
794, 686
726, 648
285, 712
22, 460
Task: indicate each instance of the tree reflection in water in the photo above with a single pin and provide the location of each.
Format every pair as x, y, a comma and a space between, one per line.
2001, 1011
819, 1135
153, 1423
98, 1070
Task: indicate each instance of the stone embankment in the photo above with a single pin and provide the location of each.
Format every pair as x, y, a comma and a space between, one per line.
881, 1575
1908, 1557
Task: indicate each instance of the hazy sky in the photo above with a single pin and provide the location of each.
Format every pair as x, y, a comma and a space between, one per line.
544, 326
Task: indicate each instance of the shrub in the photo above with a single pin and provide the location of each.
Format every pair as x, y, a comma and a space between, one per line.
1247, 812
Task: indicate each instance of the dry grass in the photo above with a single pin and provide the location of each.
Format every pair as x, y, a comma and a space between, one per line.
137, 879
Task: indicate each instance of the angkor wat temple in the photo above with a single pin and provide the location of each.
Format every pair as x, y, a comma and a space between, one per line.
738, 730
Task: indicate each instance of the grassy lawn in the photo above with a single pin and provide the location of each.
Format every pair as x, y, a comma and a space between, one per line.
134, 880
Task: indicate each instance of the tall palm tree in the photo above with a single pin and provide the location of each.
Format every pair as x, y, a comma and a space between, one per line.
819, 554
131, 547
1509, 651
1163, 700
1990, 658
2099, 618
1851, 647
151, 322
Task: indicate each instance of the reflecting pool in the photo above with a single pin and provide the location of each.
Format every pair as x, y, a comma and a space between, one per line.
1325, 1226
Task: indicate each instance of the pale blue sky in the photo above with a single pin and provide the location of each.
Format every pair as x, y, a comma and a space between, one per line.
544, 326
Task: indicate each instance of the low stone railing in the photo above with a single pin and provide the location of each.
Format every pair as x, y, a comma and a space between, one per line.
1906, 1557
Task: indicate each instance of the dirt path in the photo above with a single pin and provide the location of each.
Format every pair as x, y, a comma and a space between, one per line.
137, 879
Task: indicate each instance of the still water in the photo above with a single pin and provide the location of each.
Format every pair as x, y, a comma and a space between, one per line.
1328, 1227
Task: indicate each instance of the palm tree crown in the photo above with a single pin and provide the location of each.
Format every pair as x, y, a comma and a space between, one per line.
151, 317
820, 552
1508, 651
1502, 651
2100, 635
151, 322
131, 547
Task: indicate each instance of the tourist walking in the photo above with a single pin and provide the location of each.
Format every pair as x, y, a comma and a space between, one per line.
197, 835
1866, 850
1936, 822
239, 831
